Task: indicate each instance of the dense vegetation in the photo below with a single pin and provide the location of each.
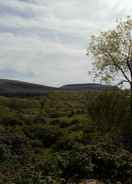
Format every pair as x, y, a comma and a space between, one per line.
66, 137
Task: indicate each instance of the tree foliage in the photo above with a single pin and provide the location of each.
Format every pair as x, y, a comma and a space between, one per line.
112, 51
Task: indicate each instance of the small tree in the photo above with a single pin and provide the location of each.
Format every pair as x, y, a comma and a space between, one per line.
112, 51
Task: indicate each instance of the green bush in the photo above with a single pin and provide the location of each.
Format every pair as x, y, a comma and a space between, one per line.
110, 110
66, 137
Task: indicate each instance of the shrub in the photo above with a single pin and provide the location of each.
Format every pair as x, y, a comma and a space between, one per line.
110, 110
48, 135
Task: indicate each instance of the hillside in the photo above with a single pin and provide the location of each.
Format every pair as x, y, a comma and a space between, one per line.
63, 138
19, 88
86, 87
16, 88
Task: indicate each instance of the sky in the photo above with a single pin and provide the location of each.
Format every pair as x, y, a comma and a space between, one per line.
45, 41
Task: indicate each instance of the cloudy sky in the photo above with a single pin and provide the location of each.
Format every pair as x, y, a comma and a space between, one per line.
45, 41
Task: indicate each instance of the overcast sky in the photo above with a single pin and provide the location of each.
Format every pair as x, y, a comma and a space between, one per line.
45, 41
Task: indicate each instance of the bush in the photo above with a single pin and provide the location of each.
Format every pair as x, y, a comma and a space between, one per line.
66, 137
48, 135
110, 110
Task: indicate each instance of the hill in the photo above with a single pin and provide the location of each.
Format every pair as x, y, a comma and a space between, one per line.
86, 87
20, 88
17, 88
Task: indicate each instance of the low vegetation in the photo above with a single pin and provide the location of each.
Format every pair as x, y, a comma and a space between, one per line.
66, 137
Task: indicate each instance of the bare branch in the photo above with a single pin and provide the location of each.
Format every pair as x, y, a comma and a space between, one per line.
123, 81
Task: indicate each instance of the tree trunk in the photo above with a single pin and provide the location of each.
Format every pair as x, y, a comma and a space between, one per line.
131, 100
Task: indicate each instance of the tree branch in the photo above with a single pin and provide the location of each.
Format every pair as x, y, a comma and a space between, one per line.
129, 58
122, 82
118, 66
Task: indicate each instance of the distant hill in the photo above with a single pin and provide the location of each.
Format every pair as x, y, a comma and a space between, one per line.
19, 88
87, 87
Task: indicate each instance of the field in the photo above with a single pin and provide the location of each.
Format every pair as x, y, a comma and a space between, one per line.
65, 137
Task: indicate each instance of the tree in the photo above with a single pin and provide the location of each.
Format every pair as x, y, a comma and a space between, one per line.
112, 51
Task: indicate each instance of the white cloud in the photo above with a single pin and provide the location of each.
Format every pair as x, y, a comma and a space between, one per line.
47, 39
